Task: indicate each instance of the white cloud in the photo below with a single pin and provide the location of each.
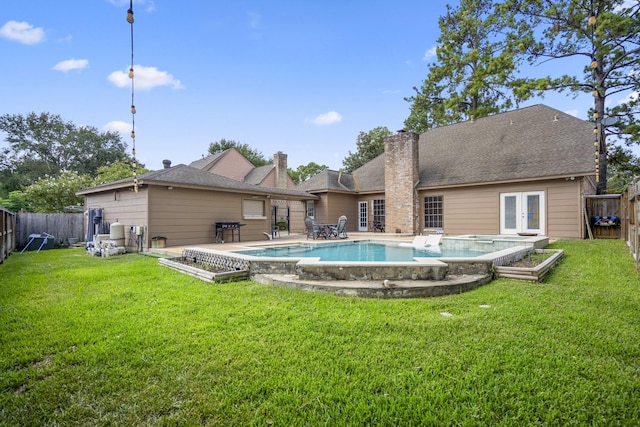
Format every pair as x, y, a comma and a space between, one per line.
22, 32
430, 53
633, 96
254, 19
145, 78
390, 91
325, 119
574, 113
121, 127
71, 64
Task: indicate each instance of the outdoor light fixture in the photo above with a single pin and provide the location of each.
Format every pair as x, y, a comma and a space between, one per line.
594, 64
134, 164
592, 19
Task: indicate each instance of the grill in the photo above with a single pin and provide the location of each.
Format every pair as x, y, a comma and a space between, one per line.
227, 225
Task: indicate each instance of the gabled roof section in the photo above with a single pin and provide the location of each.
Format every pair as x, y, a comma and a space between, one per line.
328, 180
209, 161
369, 177
258, 174
529, 143
187, 176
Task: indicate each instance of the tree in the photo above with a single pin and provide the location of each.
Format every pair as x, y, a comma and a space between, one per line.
45, 145
623, 170
369, 146
52, 194
16, 201
304, 172
118, 170
476, 61
605, 36
254, 156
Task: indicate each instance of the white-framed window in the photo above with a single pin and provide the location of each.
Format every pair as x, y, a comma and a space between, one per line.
433, 212
253, 209
378, 212
311, 209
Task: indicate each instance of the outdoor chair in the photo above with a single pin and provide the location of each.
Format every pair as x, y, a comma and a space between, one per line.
378, 226
313, 229
340, 230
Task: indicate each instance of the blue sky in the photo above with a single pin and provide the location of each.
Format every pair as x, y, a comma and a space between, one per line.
301, 77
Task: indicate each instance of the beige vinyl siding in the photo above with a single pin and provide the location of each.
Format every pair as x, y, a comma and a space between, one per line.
476, 210
188, 217
269, 180
123, 206
341, 204
234, 165
297, 212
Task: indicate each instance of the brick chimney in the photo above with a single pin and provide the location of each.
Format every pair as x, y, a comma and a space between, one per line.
400, 177
280, 161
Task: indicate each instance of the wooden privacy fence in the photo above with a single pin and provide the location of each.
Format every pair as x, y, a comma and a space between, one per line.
630, 207
61, 225
604, 216
7, 233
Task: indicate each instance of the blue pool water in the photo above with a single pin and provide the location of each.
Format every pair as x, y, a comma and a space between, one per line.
356, 251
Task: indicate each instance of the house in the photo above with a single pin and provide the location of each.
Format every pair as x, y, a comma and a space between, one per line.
525, 171
183, 203
232, 164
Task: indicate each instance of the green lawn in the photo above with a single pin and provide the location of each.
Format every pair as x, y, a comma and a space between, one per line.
124, 341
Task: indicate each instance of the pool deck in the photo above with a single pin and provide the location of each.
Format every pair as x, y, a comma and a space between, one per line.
176, 251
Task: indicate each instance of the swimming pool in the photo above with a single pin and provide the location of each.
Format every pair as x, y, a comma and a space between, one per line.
461, 256
359, 251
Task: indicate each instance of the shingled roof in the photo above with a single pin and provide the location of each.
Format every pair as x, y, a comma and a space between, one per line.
188, 176
526, 144
328, 180
207, 162
258, 174
529, 143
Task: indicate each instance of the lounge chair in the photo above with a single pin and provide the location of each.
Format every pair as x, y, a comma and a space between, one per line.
340, 230
422, 242
313, 229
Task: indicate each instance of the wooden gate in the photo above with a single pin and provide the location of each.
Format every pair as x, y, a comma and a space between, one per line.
605, 216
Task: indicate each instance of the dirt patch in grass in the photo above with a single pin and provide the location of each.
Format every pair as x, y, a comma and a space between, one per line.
532, 260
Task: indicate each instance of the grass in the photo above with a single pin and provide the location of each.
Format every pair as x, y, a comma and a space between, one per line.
124, 341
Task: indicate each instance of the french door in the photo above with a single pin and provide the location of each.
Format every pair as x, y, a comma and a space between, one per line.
363, 216
522, 213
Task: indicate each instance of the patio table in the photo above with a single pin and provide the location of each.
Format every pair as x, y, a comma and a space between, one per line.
326, 229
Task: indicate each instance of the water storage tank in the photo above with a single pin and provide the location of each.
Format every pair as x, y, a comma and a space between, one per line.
117, 233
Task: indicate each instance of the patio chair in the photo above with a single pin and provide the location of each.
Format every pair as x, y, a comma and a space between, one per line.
378, 226
313, 229
340, 230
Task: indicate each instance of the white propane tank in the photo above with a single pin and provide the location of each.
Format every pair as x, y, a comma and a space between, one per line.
117, 233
